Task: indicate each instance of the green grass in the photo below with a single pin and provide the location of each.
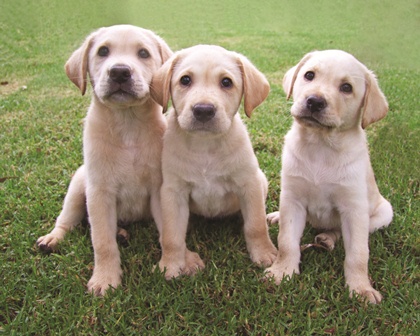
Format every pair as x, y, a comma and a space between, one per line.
41, 116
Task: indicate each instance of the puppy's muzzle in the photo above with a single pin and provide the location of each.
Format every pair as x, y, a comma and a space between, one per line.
316, 104
120, 73
204, 112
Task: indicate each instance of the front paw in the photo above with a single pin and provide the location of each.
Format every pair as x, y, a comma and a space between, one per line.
264, 256
101, 282
367, 293
193, 263
189, 265
279, 271
171, 270
47, 243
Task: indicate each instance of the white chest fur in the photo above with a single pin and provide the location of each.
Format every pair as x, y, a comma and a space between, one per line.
320, 175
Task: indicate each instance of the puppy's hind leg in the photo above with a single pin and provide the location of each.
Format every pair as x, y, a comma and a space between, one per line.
122, 236
74, 210
328, 238
274, 217
382, 216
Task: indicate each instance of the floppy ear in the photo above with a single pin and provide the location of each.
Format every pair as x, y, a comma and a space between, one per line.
375, 106
291, 75
289, 80
160, 88
256, 86
77, 65
164, 50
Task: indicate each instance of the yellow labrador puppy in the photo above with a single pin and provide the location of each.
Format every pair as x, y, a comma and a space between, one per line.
326, 177
208, 164
123, 134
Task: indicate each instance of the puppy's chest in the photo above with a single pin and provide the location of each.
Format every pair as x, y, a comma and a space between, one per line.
209, 175
133, 159
125, 162
320, 182
317, 188
212, 194
316, 168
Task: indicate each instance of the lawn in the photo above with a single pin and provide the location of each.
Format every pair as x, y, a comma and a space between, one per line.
41, 118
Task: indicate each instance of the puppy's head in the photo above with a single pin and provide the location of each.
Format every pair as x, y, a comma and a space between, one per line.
206, 84
120, 61
331, 89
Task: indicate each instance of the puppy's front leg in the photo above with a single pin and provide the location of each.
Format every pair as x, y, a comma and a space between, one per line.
102, 211
355, 229
176, 258
291, 224
156, 209
261, 249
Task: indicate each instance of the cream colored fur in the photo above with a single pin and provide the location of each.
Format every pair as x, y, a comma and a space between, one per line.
326, 177
209, 167
122, 144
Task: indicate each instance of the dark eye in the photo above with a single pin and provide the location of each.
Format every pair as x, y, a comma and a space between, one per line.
346, 88
143, 53
310, 75
185, 80
226, 82
103, 51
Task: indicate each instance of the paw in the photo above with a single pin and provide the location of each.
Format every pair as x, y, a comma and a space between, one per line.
193, 263
47, 243
170, 270
325, 240
264, 256
273, 217
279, 272
175, 268
100, 284
123, 237
367, 293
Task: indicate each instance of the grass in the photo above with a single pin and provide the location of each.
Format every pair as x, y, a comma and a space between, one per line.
41, 116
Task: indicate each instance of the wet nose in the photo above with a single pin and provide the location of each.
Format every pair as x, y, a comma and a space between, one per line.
120, 73
315, 104
204, 112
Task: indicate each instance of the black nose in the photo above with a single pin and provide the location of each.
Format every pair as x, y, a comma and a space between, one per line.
204, 112
120, 73
315, 104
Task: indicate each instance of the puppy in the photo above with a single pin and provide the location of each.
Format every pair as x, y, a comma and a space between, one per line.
208, 164
123, 134
326, 177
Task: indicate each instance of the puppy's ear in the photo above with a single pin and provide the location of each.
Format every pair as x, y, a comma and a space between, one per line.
375, 106
160, 88
291, 75
256, 86
289, 80
164, 50
77, 65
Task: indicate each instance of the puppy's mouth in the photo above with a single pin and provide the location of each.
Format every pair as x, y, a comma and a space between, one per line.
123, 93
204, 127
311, 121
312, 112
